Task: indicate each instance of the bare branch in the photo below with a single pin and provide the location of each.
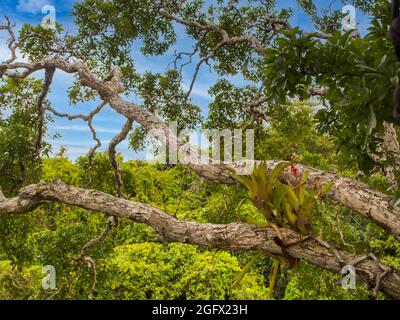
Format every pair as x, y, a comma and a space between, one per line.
178, 56
202, 60
226, 41
112, 220
92, 265
92, 151
353, 194
12, 44
277, 24
79, 116
87, 118
49, 73
86, 259
112, 154
87, 247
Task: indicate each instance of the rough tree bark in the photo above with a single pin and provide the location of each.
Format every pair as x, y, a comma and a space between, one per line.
233, 236
353, 194
349, 192
391, 150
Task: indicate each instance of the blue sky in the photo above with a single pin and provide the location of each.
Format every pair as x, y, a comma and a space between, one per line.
75, 135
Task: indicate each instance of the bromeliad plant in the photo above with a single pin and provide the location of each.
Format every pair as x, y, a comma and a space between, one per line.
283, 204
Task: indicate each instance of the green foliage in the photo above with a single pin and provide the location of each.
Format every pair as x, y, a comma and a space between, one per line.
19, 285
131, 257
18, 133
292, 133
175, 271
310, 283
360, 75
162, 94
37, 47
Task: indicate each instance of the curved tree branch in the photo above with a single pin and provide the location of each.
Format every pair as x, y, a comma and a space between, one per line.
89, 120
355, 195
112, 154
372, 204
233, 236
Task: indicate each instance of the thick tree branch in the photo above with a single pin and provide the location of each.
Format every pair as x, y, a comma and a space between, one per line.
372, 204
233, 236
391, 142
353, 194
390, 154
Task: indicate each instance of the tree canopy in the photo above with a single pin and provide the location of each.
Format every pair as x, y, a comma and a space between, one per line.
323, 193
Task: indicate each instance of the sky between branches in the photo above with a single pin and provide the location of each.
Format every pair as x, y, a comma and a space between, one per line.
75, 136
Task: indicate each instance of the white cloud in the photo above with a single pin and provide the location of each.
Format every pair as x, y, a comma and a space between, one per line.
32, 6
198, 91
84, 129
5, 53
75, 150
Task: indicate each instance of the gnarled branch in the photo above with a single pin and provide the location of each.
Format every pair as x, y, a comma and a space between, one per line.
112, 154
357, 196
233, 236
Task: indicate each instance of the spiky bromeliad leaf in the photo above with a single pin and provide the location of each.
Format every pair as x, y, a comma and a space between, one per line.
266, 190
275, 173
292, 198
301, 189
283, 204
